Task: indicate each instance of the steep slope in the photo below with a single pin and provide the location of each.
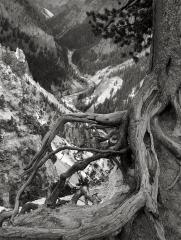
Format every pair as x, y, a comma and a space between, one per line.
21, 25
26, 111
54, 5
111, 88
72, 30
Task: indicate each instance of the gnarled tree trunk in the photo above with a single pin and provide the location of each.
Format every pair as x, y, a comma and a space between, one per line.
144, 121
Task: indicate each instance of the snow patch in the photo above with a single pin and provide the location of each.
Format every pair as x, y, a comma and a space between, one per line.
20, 55
40, 201
4, 209
47, 13
109, 88
133, 93
141, 83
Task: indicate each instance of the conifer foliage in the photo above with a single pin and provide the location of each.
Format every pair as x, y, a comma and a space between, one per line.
130, 24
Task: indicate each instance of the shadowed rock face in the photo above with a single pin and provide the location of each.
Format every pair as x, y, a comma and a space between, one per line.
23, 26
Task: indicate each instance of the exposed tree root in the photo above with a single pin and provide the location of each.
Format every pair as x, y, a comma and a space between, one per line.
157, 226
107, 218
41, 157
145, 107
79, 223
76, 167
112, 119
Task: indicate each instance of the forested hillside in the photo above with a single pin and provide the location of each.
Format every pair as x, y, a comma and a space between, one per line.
24, 27
72, 29
90, 120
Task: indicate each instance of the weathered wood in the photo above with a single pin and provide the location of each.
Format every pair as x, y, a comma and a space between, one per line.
78, 223
78, 166
41, 157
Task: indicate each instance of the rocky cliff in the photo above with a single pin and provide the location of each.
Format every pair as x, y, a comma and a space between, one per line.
26, 111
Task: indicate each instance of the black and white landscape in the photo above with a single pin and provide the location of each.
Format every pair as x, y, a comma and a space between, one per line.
90, 119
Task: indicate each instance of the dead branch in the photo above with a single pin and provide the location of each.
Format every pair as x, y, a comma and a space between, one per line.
110, 119
103, 119
38, 165
58, 126
40, 158
78, 166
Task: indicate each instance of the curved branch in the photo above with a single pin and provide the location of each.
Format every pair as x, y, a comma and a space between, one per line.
21, 190
112, 119
71, 148
78, 166
40, 158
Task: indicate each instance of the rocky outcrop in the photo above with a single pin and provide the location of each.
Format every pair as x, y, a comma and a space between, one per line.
26, 111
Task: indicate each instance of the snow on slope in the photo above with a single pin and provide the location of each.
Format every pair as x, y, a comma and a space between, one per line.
106, 83
107, 88
111, 79
47, 13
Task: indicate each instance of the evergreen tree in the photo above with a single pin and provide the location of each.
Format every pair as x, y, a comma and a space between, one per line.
129, 25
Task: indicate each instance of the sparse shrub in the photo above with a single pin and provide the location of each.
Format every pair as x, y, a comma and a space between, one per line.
2, 102
8, 126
